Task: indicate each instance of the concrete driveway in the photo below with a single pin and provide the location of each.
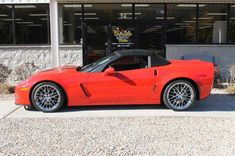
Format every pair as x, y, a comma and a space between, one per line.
217, 105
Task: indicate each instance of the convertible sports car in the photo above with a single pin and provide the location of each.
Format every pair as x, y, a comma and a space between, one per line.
124, 78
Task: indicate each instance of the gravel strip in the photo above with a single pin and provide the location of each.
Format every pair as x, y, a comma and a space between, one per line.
118, 136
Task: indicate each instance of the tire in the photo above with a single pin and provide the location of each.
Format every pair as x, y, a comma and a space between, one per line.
179, 95
48, 97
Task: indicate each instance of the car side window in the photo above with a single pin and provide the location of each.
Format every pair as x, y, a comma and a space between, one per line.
130, 63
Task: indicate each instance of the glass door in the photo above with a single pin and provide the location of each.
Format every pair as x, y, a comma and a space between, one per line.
150, 36
95, 44
103, 39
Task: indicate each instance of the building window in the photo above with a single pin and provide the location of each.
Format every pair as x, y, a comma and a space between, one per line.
212, 23
29, 25
31, 22
150, 37
181, 23
108, 11
70, 16
149, 11
232, 24
5, 25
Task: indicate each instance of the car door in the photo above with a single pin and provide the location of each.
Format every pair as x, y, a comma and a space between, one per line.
123, 86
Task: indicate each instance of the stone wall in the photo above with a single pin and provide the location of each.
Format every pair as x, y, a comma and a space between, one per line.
224, 55
16, 56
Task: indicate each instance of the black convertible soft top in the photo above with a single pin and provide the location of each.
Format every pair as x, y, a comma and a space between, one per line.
135, 52
155, 59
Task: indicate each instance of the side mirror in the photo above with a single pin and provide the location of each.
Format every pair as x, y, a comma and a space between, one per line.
109, 71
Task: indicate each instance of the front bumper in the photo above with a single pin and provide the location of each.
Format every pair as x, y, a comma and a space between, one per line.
22, 94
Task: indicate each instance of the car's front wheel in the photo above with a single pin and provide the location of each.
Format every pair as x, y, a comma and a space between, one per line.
179, 95
47, 97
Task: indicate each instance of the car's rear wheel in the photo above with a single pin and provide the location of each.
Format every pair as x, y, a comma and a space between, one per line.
179, 95
48, 97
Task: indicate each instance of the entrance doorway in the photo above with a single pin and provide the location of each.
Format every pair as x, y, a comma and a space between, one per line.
103, 38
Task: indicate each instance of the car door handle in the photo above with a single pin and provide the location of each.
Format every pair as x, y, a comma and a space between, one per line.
155, 72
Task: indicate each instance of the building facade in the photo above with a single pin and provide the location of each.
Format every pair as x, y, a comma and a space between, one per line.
61, 32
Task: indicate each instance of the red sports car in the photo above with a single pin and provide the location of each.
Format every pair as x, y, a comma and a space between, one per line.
124, 78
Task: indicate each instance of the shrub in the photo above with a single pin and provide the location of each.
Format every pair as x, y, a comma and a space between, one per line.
4, 73
25, 70
218, 79
3, 88
11, 89
6, 89
232, 74
231, 89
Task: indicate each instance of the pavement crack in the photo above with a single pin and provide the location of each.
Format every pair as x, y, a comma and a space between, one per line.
12, 111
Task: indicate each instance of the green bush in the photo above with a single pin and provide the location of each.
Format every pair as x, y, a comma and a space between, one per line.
218, 79
231, 89
6, 89
25, 70
4, 73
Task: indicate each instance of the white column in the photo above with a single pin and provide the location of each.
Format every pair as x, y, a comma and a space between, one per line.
60, 16
54, 32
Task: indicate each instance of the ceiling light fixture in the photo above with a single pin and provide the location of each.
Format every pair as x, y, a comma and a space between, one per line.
203, 18
185, 26
91, 18
86, 14
125, 18
182, 23
191, 5
205, 27
44, 19
10, 19
141, 5
25, 22
161, 18
217, 14
36, 15
77, 5
34, 25
126, 5
87, 5
3, 15
22, 6
189, 21
130, 13
72, 5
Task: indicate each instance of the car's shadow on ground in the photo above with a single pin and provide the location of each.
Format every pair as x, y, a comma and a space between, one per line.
115, 107
216, 102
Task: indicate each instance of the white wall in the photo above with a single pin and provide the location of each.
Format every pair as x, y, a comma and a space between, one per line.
224, 54
15, 56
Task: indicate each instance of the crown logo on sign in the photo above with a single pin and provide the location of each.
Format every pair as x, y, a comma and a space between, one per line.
122, 35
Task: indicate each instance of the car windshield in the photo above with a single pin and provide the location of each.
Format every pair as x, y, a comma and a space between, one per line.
94, 65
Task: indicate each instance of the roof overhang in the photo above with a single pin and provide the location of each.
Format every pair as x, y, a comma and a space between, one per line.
23, 1
115, 1
146, 1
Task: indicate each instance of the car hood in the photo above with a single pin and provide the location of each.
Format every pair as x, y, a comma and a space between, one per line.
61, 68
